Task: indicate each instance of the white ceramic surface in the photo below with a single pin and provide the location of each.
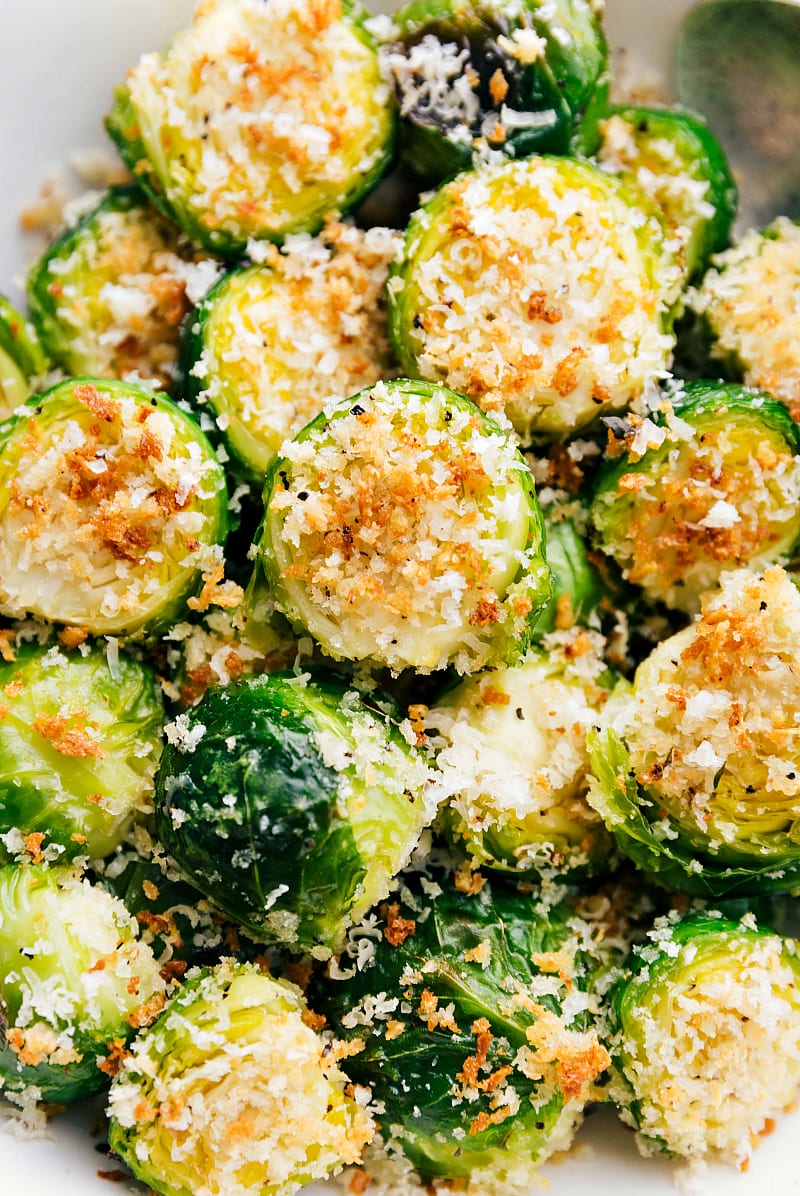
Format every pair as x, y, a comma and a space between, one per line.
60, 61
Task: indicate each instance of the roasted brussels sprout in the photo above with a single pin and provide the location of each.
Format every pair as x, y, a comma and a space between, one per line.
514, 762
112, 507
697, 768
272, 343
80, 738
712, 485
580, 590
74, 982
706, 1036
679, 163
402, 526
258, 120
232, 1091
522, 78
478, 1033
108, 297
540, 288
748, 309
291, 803
22, 360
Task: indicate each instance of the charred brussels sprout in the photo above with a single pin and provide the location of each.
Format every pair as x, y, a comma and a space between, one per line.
706, 1036
272, 343
112, 507
258, 120
231, 1091
521, 78
291, 804
402, 526
747, 306
697, 768
479, 1037
710, 486
108, 297
515, 762
80, 738
22, 360
74, 982
541, 288
679, 163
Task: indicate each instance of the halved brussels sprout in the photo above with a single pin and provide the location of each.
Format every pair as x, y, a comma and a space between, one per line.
679, 163
402, 526
291, 803
80, 738
109, 295
22, 360
232, 1091
748, 305
478, 1034
258, 120
112, 505
711, 485
272, 343
540, 288
706, 1036
513, 758
697, 768
74, 983
581, 593
520, 77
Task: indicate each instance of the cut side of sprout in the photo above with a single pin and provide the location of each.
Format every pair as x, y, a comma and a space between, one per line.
110, 501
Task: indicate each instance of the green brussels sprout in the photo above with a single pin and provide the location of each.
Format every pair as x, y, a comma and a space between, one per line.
258, 120
231, 1091
541, 288
74, 982
705, 1036
522, 78
514, 763
80, 738
22, 359
478, 1032
697, 767
272, 343
109, 295
112, 508
402, 526
747, 308
291, 803
679, 163
581, 592
711, 485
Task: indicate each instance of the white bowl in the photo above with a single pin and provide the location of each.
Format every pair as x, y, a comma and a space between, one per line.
61, 60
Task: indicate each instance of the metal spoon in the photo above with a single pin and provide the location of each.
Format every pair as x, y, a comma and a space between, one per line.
738, 63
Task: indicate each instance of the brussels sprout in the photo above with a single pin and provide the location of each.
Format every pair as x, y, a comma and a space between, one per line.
514, 760
540, 288
580, 590
22, 360
520, 77
402, 526
679, 163
74, 982
291, 804
711, 485
231, 1091
272, 343
697, 768
80, 737
747, 305
109, 295
258, 120
112, 504
706, 1036
479, 1037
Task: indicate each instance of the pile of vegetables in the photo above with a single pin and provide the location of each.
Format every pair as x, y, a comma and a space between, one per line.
399, 715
